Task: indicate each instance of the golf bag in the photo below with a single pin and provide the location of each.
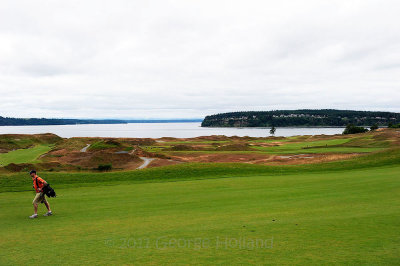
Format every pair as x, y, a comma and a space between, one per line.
48, 190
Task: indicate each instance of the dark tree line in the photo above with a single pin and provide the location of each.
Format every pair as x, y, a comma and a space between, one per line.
8, 121
304, 117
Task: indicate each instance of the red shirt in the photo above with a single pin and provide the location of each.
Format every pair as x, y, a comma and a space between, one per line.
40, 183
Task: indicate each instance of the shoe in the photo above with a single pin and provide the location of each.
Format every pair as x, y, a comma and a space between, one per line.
48, 214
33, 216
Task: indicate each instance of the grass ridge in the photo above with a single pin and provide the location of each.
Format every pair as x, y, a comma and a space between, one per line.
191, 171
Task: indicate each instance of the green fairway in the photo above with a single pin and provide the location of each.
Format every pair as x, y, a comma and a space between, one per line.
321, 149
24, 155
322, 146
331, 217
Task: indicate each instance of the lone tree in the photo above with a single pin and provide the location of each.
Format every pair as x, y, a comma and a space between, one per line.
272, 130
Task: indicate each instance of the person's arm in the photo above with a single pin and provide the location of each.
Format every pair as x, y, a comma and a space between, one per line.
44, 184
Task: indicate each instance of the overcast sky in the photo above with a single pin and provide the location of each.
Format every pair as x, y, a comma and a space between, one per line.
188, 59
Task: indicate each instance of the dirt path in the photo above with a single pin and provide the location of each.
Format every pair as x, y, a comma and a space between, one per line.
145, 163
85, 148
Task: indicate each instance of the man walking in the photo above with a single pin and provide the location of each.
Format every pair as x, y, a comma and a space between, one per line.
38, 184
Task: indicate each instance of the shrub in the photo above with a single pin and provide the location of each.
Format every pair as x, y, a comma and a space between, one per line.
104, 167
374, 127
352, 129
102, 145
390, 125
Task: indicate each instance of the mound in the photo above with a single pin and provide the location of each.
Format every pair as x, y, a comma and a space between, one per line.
19, 167
235, 147
9, 142
183, 147
213, 137
93, 159
48, 138
142, 153
137, 141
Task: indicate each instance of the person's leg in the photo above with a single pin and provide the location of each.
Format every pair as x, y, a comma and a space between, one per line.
35, 207
47, 205
48, 213
36, 202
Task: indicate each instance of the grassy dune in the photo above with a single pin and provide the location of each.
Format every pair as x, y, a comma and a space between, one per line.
24, 155
124, 153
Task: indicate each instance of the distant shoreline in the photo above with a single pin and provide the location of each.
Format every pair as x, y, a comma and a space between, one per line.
6, 121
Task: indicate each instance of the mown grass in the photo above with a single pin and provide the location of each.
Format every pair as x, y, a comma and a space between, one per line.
279, 139
154, 148
346, 217
192, 142
24, 155
368, 141
321, 146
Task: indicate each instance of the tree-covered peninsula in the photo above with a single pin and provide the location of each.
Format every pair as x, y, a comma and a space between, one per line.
304, 117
